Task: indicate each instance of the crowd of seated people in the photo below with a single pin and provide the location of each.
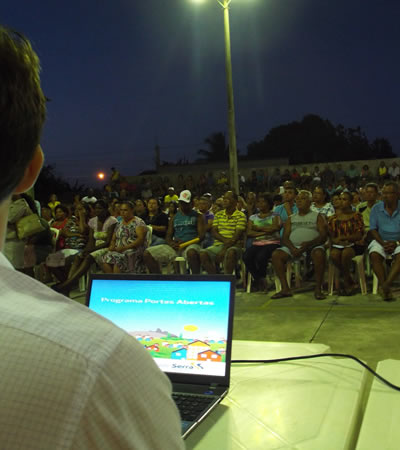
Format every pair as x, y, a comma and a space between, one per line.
101, 230
318, 216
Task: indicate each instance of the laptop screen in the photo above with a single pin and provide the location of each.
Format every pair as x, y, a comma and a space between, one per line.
182, 321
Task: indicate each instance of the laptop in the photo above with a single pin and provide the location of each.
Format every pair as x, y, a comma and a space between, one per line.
184, 322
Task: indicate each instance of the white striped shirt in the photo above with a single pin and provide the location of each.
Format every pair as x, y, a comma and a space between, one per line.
72, 380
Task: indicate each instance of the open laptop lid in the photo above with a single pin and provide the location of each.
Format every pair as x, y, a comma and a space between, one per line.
184, 321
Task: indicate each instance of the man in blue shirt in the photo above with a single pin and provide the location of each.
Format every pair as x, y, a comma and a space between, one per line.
385, 231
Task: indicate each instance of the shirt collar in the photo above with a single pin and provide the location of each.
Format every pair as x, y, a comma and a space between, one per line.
382, 206
236, 211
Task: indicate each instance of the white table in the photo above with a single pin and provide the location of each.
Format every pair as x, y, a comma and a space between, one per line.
308, 404
381, 424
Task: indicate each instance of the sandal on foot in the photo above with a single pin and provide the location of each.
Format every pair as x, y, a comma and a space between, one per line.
351, 291
281, 294
319, 296
387, 296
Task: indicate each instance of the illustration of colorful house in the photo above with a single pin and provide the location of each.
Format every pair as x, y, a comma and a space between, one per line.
209, 355
181, 353
177, 345
154, 347
196, 347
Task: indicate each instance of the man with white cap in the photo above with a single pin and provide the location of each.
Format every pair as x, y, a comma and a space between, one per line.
186, 226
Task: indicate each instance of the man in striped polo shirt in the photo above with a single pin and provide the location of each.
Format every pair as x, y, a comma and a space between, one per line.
228, 230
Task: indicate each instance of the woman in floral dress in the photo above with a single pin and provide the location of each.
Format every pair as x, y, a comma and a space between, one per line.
127, 244
346, 229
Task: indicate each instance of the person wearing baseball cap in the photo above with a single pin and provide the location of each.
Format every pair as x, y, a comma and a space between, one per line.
170, 197
185, 196
186, 226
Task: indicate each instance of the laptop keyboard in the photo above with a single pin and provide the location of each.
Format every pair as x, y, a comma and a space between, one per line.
191, 405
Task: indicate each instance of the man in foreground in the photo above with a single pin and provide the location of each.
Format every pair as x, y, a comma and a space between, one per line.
69, 378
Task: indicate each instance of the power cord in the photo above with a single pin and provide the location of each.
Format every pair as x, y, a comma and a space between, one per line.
319, 355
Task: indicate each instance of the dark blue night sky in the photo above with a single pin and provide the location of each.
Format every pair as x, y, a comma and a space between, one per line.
123, 75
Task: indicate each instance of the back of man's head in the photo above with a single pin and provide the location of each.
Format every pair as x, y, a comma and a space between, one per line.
22, 108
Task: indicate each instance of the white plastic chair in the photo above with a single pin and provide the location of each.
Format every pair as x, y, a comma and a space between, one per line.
333, 275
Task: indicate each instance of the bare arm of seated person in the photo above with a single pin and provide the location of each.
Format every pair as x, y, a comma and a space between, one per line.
201, 226
268, 229
82, 222
388, 246
253, 230
219, 236
107, 242
111, 248
171, 241
228, 243
141, 232
287, 229
347, 240
67, 233
209, 224
159, 228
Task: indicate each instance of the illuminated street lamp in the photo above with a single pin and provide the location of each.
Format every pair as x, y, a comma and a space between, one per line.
101, 176
233, 161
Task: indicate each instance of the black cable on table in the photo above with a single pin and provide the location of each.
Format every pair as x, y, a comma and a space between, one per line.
319, 355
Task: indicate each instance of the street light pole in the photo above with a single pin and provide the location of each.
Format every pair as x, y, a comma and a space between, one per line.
233, 161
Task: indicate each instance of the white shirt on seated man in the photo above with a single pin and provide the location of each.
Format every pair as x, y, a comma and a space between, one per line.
69, 378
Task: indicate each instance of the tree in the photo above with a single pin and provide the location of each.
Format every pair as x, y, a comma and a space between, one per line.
217, 148
314, 139
381, 148
49, 183
352, 143
304, 141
